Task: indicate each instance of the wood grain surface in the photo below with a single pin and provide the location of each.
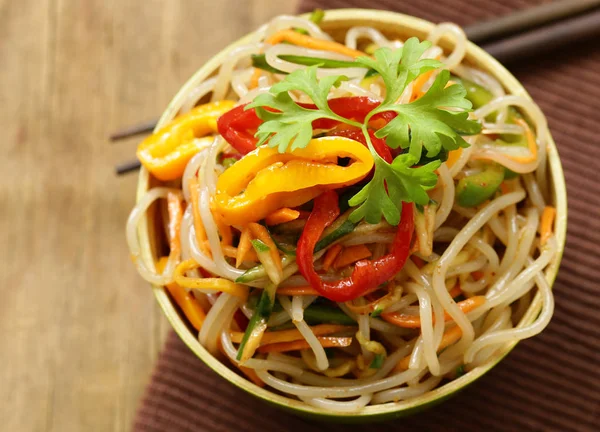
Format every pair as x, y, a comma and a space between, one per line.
79, 330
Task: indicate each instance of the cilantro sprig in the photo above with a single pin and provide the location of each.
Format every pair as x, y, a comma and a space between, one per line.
433, 122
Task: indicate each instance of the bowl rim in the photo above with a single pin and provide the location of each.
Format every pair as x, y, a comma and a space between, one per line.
483, 60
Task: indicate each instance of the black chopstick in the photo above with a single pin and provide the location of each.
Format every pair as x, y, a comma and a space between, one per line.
130, 131
518, 22
547, 38
127, 167
581, 24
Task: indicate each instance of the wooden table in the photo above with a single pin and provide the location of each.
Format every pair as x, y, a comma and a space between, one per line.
79, 329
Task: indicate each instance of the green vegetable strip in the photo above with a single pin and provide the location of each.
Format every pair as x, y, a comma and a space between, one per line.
260, 316
377, 361
260, 246
344, 229
316, 16
259, 271
260, 61
320, 314
475, 189
376, 313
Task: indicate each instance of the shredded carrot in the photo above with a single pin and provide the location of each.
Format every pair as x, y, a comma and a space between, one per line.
350, 255
456, 291
260, 232
546, 223
297, 291
186, 301
250, 373
530, 143
330, 256
201, 237
224, 230
418, 84
477, 275
420, 263
254, 79
175, 215
281, 216
232, 252
296, 38
414, 321
504, 188
244, 246
282, 336
450, 337
453, 157
326, 342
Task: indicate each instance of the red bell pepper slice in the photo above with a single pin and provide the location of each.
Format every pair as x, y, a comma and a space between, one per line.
379, 144
238, 125
367, 274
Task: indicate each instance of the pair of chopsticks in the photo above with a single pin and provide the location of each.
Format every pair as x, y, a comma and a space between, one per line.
513, 37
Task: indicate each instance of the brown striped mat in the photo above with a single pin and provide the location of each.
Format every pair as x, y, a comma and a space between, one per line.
551, 382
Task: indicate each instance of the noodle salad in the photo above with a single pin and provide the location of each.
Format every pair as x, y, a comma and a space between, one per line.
351, 223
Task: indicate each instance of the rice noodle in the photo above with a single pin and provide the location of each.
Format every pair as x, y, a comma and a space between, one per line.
492, 250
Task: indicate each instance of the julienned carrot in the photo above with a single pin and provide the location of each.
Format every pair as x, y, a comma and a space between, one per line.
224, 230
350, 255
186, 301
282, 336
232, 252
260, 232
254, 79
201, 237
450, 336
175, 215
244, 246
326, 342
546, 223
414, 321
297, 291
530, 143
331, 255
504, 188
281, 216
418, 84
456, 291
453, 156
296, 38
477, 275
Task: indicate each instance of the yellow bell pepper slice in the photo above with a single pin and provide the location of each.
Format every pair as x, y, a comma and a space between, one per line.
265, 180
166, 152
186, 301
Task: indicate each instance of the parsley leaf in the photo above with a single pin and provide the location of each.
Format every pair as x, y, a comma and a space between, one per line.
434, 121
404, 183
292, 125
399, 68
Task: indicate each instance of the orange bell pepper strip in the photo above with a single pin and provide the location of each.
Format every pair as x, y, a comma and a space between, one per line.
265, 180
166, 152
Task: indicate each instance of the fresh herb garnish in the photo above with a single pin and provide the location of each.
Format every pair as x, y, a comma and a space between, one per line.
434, 122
